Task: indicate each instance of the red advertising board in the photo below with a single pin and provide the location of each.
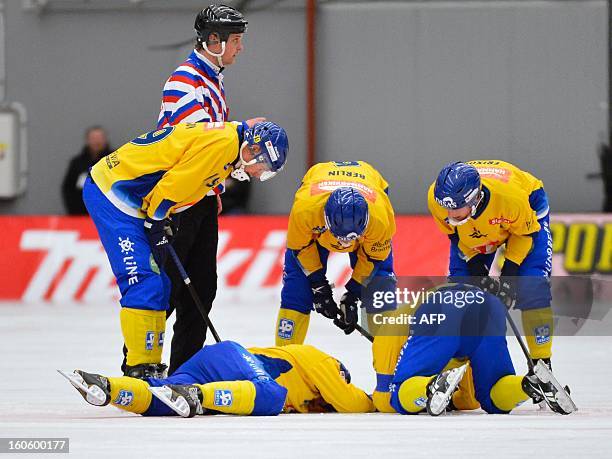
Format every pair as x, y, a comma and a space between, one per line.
60, 259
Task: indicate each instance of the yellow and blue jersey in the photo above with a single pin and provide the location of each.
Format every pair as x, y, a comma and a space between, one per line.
168, 170
513, 203
307, 227
313, 379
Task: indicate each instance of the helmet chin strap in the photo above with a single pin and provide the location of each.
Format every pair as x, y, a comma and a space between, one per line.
219, 56
239, 173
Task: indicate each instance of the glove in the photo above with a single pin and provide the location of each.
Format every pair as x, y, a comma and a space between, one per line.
502, 288
323, 299
348, 313
159, 233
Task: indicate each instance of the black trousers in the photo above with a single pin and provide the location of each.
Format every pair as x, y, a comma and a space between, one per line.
196, 246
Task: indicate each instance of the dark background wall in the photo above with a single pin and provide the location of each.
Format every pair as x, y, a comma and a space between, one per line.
407, 86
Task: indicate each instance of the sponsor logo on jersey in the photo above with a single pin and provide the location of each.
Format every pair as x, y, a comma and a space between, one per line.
489, 247
124, 398
542, 334
285, 328
499, 221
112, 160
476, 234
496, 173
223, 397
149, 340
327, 186
381, 246
212, 181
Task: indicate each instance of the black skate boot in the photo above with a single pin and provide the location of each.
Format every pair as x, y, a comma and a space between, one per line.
541, 385
147, 370
186, 401
95, 389
440, 390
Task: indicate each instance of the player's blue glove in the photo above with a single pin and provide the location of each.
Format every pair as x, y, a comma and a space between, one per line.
159, 239
349, 315
323, 299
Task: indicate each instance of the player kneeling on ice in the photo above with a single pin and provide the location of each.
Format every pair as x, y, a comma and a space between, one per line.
132, 192
227, 378
472, 330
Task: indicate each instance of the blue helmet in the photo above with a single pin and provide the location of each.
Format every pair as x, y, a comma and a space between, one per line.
274, 146
458, 186
346, 214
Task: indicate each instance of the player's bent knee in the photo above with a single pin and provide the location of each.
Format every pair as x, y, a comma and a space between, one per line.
269, 398
411, 397
505, 395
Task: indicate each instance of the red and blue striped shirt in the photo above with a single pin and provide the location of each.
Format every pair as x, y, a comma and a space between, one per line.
193, 93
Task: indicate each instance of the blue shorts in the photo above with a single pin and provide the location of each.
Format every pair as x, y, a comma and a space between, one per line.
535, 270
142, 284
476, 332
225, 361
296, 293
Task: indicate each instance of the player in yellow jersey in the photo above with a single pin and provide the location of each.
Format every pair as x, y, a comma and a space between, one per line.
227, 378
340, 207
132, 192
482, 205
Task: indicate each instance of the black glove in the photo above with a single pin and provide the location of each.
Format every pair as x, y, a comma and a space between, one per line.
159, 235
349, 316
503, 288
323, 299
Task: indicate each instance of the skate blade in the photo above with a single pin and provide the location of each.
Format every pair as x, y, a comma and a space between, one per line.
92, 394
562, 397
438, 402
179, 405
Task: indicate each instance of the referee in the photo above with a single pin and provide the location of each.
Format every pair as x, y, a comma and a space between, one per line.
195, 93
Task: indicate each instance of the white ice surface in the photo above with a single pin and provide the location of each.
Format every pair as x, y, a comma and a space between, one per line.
35, 401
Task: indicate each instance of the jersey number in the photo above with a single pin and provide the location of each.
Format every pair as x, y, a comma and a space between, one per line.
153, 136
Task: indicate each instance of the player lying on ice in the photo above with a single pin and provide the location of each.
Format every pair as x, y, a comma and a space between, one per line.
473, 328
227, 378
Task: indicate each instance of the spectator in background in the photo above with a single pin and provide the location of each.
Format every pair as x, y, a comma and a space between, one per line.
96, 146
235, 197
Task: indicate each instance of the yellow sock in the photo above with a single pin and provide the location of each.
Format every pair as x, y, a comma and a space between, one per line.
291, 327
508, 393
130, 394
232, 397
143, 334
413, 393
538, 328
